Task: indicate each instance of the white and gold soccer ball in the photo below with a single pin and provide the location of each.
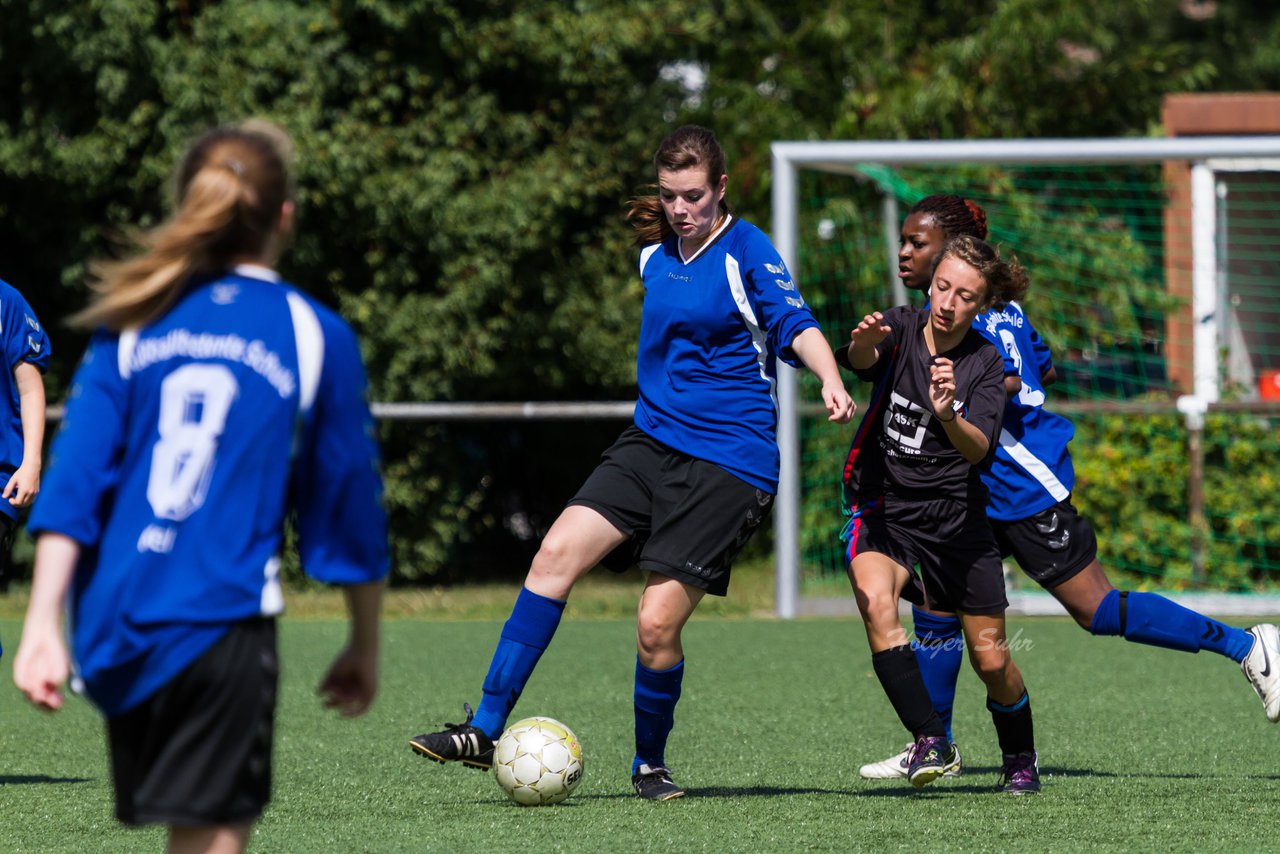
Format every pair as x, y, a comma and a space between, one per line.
538, 762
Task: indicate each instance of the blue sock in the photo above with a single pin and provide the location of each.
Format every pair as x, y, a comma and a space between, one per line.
657, 692
1156, 621
524, 637
939, 650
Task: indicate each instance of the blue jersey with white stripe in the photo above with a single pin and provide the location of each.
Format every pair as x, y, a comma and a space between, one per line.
23, 339
184, 445
1032, 469
711, 328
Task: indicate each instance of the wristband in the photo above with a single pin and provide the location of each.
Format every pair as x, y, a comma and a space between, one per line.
948, 420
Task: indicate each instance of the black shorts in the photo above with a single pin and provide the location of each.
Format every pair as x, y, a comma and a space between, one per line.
198, 751
684, 517
1051, 546
946, 545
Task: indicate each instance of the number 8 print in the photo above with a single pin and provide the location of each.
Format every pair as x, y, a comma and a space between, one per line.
194, 402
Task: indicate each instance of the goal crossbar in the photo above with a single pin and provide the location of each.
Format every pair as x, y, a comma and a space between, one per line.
789, 157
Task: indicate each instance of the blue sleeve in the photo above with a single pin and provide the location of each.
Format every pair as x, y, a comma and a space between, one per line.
1043, 358
24, 338
86, 456
337, 488
782, 311
987, 331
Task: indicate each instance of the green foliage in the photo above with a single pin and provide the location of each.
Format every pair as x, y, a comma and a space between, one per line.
1131, 481
460, 172
1132, 476
462, 165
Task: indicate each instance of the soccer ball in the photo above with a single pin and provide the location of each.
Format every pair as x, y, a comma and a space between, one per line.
538, 762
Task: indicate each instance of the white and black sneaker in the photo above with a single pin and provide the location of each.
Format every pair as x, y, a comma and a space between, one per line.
655, 784
895, 767
1262, 667
457, 743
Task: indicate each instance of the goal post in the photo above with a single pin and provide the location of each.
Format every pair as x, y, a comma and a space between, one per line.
1220, 340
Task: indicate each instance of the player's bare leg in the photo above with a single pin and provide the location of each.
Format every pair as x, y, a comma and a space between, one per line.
878, 582
877, 585
217, 839
1083, 592
577, 541
665, 607
1007, 700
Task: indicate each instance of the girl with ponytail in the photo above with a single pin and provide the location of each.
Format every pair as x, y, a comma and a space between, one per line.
689, 482
214, 399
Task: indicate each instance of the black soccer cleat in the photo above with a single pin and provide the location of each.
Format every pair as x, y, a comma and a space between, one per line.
457, 743
1019, 774
931, 757
655, 784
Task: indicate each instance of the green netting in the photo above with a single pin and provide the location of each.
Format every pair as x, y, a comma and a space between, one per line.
1108, 250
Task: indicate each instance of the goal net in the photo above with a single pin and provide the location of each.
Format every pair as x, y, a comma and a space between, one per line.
1154, 265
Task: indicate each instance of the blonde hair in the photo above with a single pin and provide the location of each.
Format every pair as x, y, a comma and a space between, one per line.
229, 188
684, 148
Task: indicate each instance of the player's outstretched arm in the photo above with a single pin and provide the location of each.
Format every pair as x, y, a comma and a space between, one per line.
42, 664
863, 339
813, 350
352, 680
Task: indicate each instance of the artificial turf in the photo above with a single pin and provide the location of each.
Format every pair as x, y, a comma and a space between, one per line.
1139, 749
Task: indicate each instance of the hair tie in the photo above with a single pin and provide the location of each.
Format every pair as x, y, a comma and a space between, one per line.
979, 217
236, 167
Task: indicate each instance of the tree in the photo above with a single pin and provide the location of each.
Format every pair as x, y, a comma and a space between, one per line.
462, 168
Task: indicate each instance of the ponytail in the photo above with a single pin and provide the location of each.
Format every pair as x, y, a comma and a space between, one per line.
231, 186
649, 220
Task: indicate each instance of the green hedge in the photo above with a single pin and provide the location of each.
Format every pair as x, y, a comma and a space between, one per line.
1132, 474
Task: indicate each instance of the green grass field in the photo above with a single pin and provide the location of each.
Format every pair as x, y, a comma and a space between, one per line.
1140, 749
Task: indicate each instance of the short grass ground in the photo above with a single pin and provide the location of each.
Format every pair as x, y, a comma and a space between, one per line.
1141, 749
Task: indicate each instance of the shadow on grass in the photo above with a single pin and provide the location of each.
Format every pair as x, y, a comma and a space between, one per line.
895, 789
991, 773
1052, 771
1056, 771
29, 779
725, 792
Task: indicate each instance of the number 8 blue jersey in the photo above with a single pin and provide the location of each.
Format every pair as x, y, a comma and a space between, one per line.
184, 445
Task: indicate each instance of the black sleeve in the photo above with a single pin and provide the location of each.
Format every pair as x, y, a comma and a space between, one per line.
984, 407
897, 319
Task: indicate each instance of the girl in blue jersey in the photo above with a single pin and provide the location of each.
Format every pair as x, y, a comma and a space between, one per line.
213, 399
916, 497
26, 352
1030, 483
688, 483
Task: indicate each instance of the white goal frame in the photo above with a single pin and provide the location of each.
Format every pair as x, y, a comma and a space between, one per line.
1200, 153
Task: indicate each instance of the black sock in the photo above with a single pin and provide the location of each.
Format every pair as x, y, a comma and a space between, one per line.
899, 675
1013, 725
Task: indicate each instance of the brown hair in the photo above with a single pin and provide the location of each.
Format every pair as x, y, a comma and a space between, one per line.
1006, 280
954, 215
229, 190
685, 148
